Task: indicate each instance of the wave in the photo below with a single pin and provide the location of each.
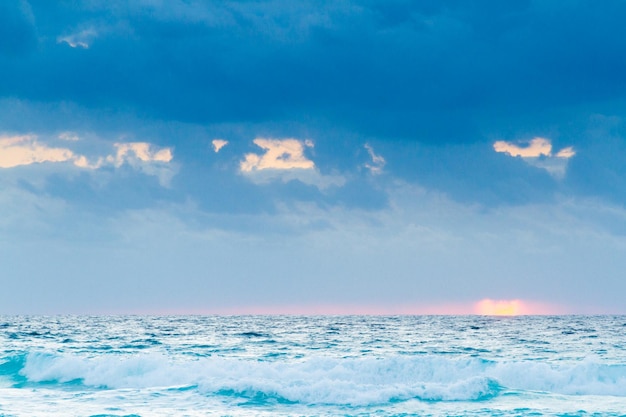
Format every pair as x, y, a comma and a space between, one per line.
320, 380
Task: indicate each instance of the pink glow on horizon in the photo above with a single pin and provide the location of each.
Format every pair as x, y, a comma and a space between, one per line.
350, 309
484, 307
321, 309
515, 307
334, 309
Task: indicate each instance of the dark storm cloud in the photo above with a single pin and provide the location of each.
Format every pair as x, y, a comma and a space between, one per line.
432, 84
392, 69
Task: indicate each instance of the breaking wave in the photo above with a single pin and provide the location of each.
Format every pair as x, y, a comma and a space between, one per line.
319, 380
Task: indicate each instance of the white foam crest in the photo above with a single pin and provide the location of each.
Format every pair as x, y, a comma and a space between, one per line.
353, 381
581, 378
106, 371
327, 380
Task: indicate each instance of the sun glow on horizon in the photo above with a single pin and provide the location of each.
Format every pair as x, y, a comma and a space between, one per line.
489, 307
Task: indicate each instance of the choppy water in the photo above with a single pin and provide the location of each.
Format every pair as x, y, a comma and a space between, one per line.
311, 366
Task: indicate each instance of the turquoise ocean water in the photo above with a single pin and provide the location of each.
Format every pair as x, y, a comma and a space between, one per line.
312, 366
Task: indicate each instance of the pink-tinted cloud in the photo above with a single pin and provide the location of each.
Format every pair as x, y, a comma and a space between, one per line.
26, 150
280, 154
538, 152
218, 144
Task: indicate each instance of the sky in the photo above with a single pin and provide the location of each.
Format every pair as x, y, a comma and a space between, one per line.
311, 157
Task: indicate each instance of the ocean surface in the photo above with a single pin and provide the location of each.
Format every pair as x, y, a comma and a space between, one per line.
312, 366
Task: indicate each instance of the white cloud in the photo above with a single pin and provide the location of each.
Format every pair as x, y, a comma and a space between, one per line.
26, 150
69, 136
80, 39
139, 151
378, 162
536, 147
566, 152
538, 152
81, 161
146, 158
284, 159
219, 144
280, 154
143, 156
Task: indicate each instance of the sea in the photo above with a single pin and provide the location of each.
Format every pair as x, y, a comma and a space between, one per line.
312, 366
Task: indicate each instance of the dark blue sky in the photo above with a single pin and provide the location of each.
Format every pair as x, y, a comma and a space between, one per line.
360, 170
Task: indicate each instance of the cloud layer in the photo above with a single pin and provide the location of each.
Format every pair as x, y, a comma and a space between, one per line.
334, 152
28, 149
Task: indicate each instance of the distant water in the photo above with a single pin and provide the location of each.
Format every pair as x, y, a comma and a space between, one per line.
312, 366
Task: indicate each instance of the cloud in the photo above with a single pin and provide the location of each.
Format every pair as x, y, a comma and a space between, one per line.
143, 156
378, 162
416, 236
566, 152
80, 39
284, 159
218, 144
538, 152
146, 158
26, 150
412, 76
182, 61
280, 154
139, 151
69, 136
536, 147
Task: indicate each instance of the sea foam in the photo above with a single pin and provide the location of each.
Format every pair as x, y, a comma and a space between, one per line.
327, 380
